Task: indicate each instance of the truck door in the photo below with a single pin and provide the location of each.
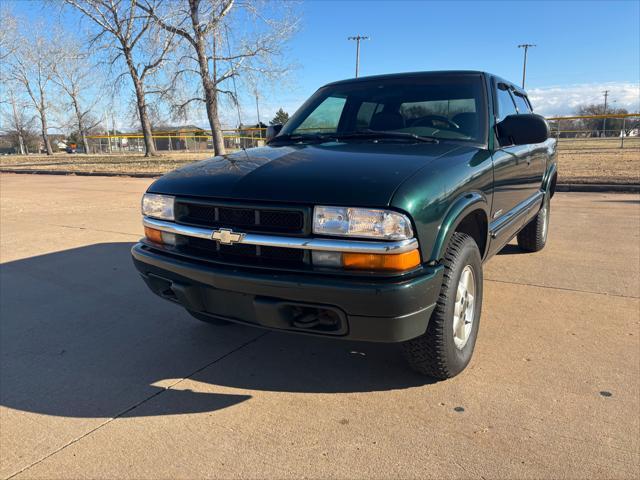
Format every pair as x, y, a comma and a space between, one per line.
538, 158
513, 177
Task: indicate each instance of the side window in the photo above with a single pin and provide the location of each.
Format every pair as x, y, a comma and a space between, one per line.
325, 118
505, 104
521, 103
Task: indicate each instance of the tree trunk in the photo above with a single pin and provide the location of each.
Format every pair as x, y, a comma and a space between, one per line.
85, 142
45, 135
18, 125
209, 87
146, 128
81, 131
21, 143
211, 98
150, 149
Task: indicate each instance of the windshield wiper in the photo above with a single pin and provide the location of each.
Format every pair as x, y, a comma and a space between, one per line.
298, 137
384, 134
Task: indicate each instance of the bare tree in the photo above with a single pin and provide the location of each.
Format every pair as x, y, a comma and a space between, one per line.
204, 26
121, 29
8, 34
17, 121
31, 67
75, 76
597, 126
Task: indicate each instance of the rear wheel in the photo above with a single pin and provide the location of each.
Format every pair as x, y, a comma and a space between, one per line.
445, 349
207, 319
533, 237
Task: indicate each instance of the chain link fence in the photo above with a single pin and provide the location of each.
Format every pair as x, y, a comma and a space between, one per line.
596, 131
180, 141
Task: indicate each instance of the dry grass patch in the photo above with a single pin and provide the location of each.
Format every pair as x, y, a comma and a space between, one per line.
599, 160
119, 164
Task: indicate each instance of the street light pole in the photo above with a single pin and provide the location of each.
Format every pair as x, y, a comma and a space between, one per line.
258, 112
357, 38
524, 66
604, 123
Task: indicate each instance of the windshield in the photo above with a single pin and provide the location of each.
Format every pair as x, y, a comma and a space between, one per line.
438, 106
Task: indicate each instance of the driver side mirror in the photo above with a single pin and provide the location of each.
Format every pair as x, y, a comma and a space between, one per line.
272, 131
523, 129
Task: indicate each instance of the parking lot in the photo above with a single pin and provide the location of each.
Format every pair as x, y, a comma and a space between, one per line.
101, 379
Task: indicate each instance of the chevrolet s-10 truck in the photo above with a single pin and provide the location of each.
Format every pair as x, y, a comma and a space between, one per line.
368, 216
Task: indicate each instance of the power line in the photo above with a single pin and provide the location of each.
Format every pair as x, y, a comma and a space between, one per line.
526, 47
357, 38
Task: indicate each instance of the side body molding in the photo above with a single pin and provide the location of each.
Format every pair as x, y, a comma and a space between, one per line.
464, 205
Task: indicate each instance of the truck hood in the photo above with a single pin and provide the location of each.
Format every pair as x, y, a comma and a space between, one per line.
354, 173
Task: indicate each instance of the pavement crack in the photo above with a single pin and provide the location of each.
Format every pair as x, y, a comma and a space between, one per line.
133, 407
566, 289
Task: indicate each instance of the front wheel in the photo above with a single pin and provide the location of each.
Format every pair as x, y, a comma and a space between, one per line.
445, 349
533, 237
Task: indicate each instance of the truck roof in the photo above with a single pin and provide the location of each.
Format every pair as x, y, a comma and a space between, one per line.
391, 76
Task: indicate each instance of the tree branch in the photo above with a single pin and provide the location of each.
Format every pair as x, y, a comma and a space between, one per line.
170, 28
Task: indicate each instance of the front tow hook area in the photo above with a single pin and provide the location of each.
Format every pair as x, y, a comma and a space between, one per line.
280, 314
188, 296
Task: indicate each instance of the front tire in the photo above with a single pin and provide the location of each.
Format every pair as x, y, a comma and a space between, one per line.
445, 349
533, 237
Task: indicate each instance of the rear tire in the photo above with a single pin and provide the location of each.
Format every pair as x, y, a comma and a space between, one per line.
445, 349
533, 237
207, 319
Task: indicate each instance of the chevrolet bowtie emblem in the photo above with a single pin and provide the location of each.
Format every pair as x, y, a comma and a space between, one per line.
227, 236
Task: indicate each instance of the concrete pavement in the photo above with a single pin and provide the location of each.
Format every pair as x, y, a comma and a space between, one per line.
101, 379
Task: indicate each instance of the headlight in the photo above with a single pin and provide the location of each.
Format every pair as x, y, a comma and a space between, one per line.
361, 222
158, 206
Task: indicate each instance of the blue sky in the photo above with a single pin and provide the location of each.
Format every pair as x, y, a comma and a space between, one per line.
583, 47
577, 41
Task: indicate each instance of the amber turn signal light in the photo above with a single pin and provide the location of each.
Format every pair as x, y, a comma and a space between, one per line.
153, 234
389, 262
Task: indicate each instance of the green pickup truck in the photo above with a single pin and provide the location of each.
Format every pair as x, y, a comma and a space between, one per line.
368, 216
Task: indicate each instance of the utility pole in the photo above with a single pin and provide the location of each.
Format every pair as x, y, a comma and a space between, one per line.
604, 123
357, 38
113, 126
526, 47
258, 112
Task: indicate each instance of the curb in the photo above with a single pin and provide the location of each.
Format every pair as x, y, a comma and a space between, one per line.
80, 174
598, 187
560, 187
